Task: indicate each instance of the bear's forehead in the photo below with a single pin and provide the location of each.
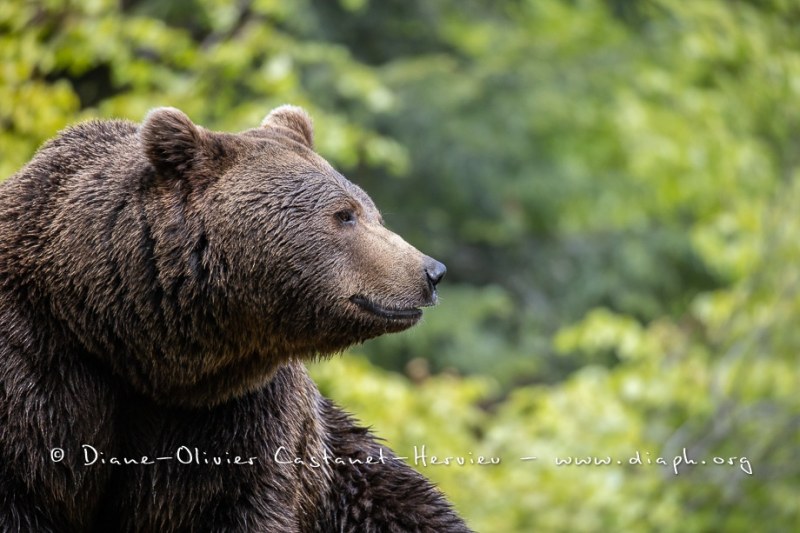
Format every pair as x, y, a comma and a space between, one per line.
331, 176
355, 192
362, 197
305, 164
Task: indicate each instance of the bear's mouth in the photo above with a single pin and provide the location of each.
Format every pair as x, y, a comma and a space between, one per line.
389, 313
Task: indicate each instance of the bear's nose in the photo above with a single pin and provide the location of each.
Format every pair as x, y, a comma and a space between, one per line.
434, 270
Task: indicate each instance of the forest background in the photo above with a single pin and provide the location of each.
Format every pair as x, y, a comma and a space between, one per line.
613, 185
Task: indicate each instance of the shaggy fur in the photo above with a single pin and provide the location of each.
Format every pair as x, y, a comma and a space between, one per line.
160, 285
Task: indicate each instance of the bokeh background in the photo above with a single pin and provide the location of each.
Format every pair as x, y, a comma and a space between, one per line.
613, 185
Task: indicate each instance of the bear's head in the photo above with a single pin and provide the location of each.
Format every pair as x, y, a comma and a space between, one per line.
288, 259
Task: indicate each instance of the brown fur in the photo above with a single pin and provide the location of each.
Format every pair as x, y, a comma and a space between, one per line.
159, 285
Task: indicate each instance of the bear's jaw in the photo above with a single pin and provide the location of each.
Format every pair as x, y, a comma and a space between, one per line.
408, 314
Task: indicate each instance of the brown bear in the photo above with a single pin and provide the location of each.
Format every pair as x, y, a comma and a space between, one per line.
160, 287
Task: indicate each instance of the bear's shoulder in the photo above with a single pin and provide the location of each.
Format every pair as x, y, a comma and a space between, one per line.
94, 131
78, 147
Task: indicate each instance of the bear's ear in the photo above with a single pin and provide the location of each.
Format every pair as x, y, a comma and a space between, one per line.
293, 122
178, 148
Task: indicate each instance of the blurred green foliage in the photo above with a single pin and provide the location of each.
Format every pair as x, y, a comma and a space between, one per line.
612, 184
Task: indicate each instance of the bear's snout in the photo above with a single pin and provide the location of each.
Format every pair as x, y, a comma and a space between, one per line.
435, 271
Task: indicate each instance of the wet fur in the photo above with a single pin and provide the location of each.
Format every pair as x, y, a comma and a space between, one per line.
159, 286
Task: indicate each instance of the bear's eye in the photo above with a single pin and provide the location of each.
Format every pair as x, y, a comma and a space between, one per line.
346, 217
